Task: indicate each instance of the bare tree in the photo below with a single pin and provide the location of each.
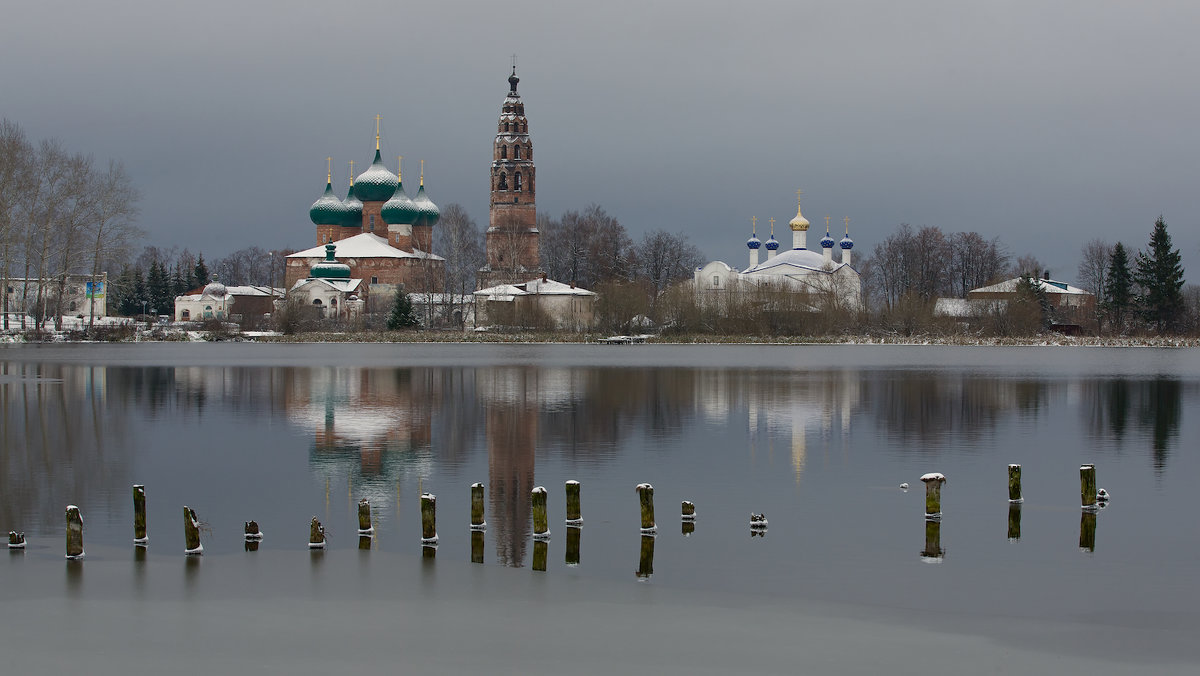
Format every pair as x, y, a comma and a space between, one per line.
15, 157
588, 248
975, 262
666, 258
1027, 264
112, 229
1093, 273
458, 240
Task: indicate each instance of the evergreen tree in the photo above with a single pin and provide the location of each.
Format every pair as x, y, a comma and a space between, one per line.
200, 275
1160, 275
158, 289
402, 316
133, 292
1118, 288
180, 281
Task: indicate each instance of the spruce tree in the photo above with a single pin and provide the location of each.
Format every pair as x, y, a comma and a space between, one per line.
200, 275
1160, 274
402, 316
158, 289
1118, 288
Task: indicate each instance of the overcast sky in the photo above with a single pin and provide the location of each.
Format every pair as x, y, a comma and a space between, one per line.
1043, 123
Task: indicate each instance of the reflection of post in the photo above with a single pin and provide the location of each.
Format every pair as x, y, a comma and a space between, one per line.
191, 532
646, 560
139, 515
541, 549
476, 546
364, 518
1087, 531
1087, 486
1014, 521
572, 558
1014, 484
364, 542
933, 494
541, 523
574, 516
74, 533
646, 499
477, 522
688, 527
933, 551
429, 534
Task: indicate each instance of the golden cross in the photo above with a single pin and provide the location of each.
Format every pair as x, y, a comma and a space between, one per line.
377, 118
826, 224
754, 224
772, 220
399, 167
422, 172
847, 220
351, 172
329, 169
798, 194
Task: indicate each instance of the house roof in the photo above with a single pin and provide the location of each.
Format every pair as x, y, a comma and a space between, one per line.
1049, 285
365, 245
533, 287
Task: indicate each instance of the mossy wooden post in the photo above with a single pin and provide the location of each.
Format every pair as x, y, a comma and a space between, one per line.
1014, 521
74, 533
429, 534
933, 551
541, 551
1014, 484
687, 527
933, 494
477, 546
364, 541
646, 559
139, 515
541, 524
252, 531
316, 534
572, 557
364, 518
1087, 531
477, 520
1087, 486
646, 498
16, 540
191, 532
687, 511
574, 515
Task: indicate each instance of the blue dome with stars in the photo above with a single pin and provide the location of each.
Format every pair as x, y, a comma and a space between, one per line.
753, 242
827, 241
772, 244
846, 242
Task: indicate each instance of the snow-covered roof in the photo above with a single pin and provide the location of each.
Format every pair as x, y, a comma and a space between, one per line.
964, 308
342, 285
251, 290
797, 258
1049, 285
365, 245
537, 286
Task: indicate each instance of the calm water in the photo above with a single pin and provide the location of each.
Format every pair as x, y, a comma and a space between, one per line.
847, 578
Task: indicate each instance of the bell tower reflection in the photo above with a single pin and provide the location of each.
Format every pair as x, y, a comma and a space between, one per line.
510, 401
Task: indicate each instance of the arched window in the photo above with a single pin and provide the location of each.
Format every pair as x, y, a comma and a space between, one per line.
185, 315
516, 152
503, 181
372, 222
529, 152
504, 152
517, 181
505, 126
316, 301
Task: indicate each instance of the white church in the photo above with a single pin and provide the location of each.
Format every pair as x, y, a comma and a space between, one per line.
799, 269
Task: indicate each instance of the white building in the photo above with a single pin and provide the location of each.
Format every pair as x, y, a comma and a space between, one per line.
798, 269
330, 290
534, 303
232, 303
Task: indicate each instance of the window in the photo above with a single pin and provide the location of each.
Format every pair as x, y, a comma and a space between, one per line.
503, 181
372, 228
716, 280
185, 315
374, 280
316, 301
517, 181
516, 152
504, 152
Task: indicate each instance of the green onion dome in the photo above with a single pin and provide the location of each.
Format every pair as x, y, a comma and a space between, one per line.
400, 209
354, 209
330, 268
427, 211
376, 184
328, 209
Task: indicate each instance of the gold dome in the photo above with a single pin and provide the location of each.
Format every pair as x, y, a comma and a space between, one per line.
799, 223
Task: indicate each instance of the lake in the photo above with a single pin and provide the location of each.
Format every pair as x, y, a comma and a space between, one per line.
848, 577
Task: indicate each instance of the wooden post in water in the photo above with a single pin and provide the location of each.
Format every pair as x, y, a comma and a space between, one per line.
364, 518
74, 533
477, 521
688, 527
365, 541
646, 559
191, 532
252, 531
476, 546
1087, 486
429, 534
1014, 484
933, 551
541, 525
933, 494
572, 557
574, 515
1087, 531
316, 534
541, 551
646, 498
687, 511
1014, 521
16, 540
139, 515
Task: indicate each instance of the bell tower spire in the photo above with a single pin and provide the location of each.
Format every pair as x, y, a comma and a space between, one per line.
512, 235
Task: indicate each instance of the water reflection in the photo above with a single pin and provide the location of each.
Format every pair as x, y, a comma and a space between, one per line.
646, 558
1014, 521
933, 551
1087, 531
1152, 406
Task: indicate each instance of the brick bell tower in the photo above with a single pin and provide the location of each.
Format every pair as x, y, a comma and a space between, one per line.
512, 234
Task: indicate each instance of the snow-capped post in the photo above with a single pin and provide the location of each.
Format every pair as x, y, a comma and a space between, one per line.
1014, 484
16, 540
1087, 531
429, 534
364, 518
476, 546
477, 522
933, 551
646, 559
139, 515
1014, 521
191, 532
1087, 486
933, 494
572, 557
688, 511
574, 516
541, 526
74, 533
646, 497
316, 534
252, 531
